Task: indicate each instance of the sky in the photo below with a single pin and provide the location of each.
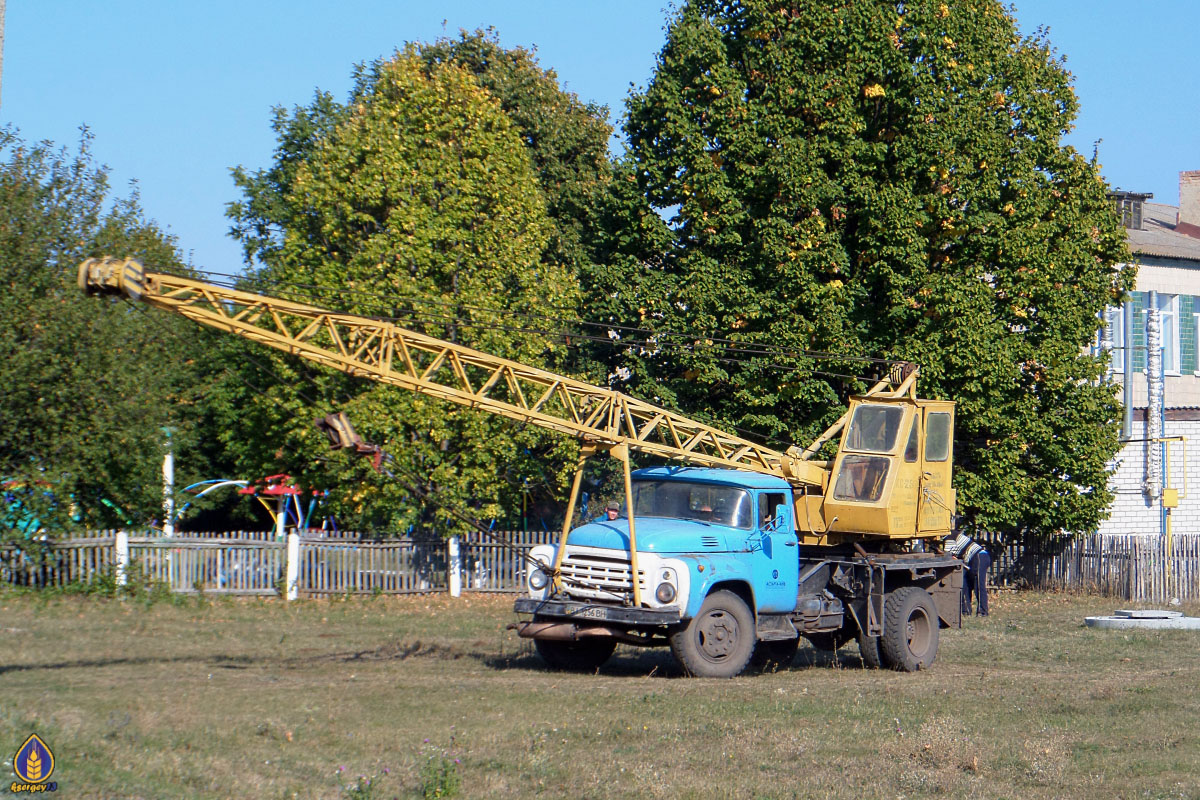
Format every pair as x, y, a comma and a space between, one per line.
176, 94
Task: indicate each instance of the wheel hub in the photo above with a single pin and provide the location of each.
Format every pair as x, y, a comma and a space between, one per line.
718, 635
916, 631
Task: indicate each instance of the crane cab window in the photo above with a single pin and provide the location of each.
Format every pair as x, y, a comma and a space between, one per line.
937, 437
861, 479
910, 450
874, 428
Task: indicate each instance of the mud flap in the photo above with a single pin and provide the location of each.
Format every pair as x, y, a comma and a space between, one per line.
947, 597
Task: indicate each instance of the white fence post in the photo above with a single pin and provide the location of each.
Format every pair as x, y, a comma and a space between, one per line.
292, 570
168, 527
121, 560
454, 552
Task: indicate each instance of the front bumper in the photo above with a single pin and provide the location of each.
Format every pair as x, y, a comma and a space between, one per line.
590, 612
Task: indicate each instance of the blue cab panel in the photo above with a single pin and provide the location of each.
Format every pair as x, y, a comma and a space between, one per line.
744, 545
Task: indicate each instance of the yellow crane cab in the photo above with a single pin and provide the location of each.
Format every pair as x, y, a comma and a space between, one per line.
891, 477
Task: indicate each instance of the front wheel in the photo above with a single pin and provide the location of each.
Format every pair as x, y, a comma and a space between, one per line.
910, 629
719, 641
586, 655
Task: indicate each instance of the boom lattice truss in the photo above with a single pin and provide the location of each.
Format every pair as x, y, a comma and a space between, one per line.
384, 352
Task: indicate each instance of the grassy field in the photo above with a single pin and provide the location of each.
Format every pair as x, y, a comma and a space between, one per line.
267, 700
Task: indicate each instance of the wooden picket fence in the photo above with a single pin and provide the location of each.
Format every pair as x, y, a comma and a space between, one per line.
218, 566
1130, 567
490, 565
397, 566
254, 562
78, 559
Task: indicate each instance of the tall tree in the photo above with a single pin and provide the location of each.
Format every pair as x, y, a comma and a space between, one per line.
566, 139
417, 200
88, 384
884, 179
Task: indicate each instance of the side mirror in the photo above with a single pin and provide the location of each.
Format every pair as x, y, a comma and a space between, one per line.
775, 523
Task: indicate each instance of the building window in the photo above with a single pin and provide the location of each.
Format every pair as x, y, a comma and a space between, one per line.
1129, 206
1168, 311
1196, 331
1114, 323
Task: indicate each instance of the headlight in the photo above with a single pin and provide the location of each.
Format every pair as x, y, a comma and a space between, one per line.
538, 578
665, 593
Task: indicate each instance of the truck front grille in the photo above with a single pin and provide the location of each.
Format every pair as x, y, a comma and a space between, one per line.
598, 577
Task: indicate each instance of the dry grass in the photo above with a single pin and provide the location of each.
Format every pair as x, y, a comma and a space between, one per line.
261, 699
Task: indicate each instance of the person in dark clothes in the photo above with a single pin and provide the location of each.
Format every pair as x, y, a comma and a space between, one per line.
977, 559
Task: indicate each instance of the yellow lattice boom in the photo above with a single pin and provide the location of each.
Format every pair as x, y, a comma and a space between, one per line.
387, 353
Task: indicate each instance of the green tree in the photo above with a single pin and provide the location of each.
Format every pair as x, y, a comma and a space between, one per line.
566, 139
602, 227
417, 200
88, 384
883, 179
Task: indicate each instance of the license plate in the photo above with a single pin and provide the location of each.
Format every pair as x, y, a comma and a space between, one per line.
593, 613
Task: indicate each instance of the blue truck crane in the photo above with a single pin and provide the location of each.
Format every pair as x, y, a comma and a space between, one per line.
729, 555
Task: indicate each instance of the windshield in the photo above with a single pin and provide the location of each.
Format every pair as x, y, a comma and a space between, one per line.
874, 428
861, 479
720, 505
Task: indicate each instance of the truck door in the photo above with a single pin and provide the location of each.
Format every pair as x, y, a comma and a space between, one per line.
776, 562
936, 503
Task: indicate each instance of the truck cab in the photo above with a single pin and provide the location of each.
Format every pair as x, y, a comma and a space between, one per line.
696, 528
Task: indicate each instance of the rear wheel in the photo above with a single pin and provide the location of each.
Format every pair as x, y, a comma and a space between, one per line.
581, 656
910, 630
717, 642
868, 648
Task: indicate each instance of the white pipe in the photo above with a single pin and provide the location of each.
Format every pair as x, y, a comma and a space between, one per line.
1154, 398
1127, 385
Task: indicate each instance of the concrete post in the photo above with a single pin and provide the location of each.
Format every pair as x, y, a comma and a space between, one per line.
292, 569
454, 557
169, 486
121, 559
281, 518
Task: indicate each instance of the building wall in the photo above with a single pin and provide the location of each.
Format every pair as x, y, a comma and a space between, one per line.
1134, 511
1180, 391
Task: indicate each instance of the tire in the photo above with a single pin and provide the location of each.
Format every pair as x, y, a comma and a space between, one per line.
869, 649
774, 656
587, 655
910, 629
719, 641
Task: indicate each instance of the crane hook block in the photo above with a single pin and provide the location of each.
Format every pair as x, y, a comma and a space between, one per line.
339, 431
113, 276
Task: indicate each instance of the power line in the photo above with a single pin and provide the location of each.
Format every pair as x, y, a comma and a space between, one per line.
309, 292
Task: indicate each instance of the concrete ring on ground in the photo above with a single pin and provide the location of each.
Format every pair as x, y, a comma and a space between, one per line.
1152, 619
